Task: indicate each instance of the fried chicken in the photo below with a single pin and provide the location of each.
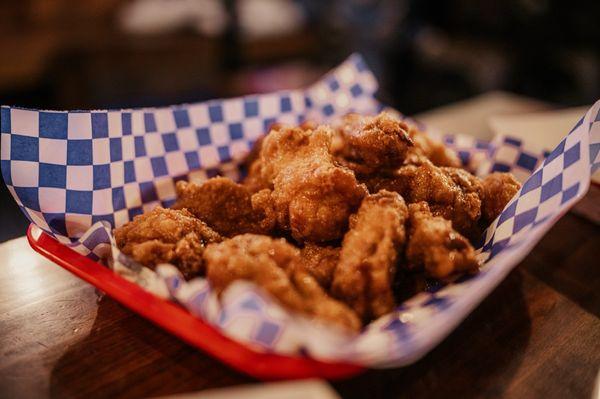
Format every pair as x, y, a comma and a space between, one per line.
320, 262
466, 210
452, 193
367, 144
469, 202
498, 189
312, 195
274, 265
370, 250
426, 147
166, 236
254, 180
229, 208
261, 259
435, 246
311, 184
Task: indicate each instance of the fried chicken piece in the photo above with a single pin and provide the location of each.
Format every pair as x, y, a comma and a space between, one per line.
254, 180
452, 193
466, 211
261, 259
434, 246
166, 236
274, 265
319, 304
386, 180
313, 196
364, 275
366, 144
498, 189
426, 147
229, 208
320, 262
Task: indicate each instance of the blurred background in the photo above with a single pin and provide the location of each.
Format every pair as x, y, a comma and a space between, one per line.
69, 54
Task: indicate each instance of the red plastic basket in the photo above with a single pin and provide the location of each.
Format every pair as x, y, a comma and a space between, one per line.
181, 323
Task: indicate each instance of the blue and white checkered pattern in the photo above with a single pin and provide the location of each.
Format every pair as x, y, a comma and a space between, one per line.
472, 152
509, 154
550, 190
69, 170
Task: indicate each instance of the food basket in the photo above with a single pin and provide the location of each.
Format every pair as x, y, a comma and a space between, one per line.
77, 174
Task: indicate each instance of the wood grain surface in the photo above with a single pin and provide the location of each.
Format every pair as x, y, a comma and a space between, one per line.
536, 335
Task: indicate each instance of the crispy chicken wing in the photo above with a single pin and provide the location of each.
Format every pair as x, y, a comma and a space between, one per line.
227, 207
166, 236
498, 189
466, 210
366, 144
469, 202
254, 180
452, 193
435, 246
370, 250
313, 196
320, 262
273, 264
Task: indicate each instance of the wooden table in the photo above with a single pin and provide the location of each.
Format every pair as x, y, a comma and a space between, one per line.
536, 335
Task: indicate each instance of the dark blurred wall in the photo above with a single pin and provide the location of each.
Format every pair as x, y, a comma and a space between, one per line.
73, 54
69, 54
428, 53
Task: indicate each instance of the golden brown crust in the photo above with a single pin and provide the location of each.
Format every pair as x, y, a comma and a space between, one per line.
312, 195
311, 184
166, 236
254, 180
368, 144
226, 206
274, 265
452, 193
320, 262
435, 246
498, 189
466, 210
370, 250
257, 258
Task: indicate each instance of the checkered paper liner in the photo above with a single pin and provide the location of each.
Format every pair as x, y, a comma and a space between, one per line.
78, 174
